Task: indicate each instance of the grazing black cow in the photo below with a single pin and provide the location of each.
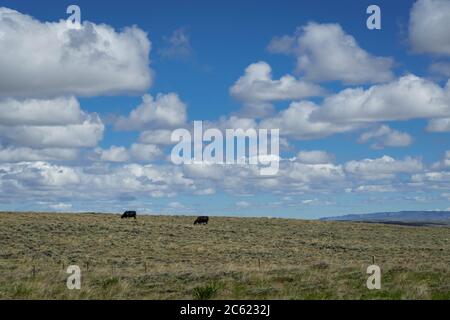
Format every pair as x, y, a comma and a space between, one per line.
129, 214
201, 220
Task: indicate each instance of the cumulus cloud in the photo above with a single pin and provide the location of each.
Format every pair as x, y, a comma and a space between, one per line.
47, 58
314, 157
325, 52
382, 168
43, 180
409, 97
57, 111
137, 152
428, 27
113, 154
164, 111
145, 152
39, 174
17, 154
444, 163
205, 171
159, 137
440, 68
101, 181
433, 177
84, 134
384, 136
314, 173
256, 88
53, 123
233, 122
439, 125
296, 121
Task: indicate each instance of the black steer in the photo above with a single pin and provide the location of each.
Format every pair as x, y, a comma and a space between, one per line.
201, 220
129, 214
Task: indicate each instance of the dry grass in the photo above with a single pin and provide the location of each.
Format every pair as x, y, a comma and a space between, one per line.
166, 257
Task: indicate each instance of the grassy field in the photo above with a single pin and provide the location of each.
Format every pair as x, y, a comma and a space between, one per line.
167, 257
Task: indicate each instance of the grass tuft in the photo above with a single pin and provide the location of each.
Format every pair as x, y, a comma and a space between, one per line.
206, 292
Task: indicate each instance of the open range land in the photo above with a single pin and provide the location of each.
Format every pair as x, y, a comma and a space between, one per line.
167, 257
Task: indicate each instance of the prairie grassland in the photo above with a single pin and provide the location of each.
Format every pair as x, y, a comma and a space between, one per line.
167, 257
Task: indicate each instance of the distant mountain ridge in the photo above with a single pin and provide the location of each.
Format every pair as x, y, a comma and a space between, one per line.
401, 216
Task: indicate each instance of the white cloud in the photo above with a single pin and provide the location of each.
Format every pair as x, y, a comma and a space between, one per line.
434, 176
375, 188
164, 111
84, 134
159, 136
101, 182
283, 44
314, 157
382, 168
326, 53
57, 111
439, 125
313, 173
52, 123
242, 204
46, 129
295, 121
444, 163
429, 25
205, 192
233, 122
48, 58
204, 171
176, 205
16, 154
256, 88
315, 202
406, 98
145, 152
409, 97
441, 68
39, 174
177, 46
384, 136
113, 154
60, 206
137, 152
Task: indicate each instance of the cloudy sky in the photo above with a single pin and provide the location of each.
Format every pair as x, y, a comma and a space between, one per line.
86, 115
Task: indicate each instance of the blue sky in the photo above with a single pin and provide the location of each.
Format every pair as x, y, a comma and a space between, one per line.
384, 148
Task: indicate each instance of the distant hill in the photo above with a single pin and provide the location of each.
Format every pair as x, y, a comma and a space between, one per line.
402, 217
